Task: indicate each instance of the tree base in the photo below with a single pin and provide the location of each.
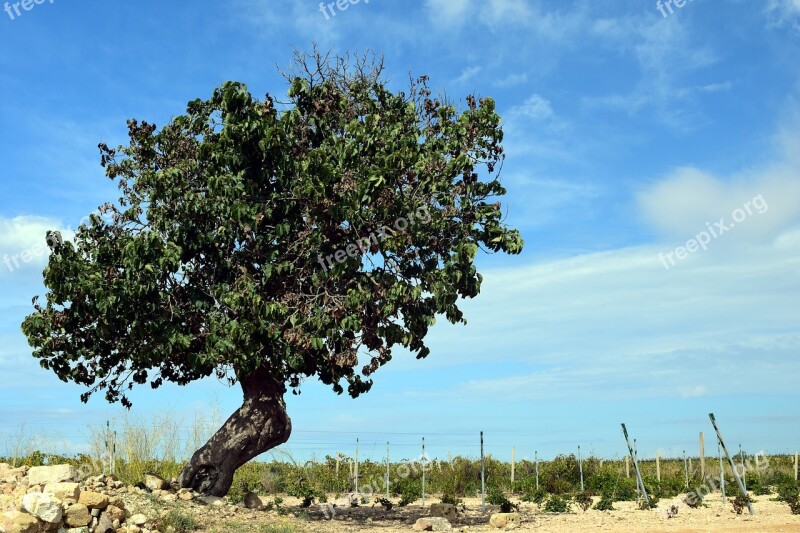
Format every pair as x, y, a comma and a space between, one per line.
260, 424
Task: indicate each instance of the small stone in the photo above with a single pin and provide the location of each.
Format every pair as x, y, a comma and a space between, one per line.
64, 490
45, 507
77, 515
16, 522
138, 519
115, 513
104, 524
42, 475
214, 501
154, 482
432, 524
93, 500
505, 520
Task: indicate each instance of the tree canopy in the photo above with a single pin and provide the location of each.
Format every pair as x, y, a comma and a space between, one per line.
305, 238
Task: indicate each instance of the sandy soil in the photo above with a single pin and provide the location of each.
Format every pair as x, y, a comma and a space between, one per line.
771, 517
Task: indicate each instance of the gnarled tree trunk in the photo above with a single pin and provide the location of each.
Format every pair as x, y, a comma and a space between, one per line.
261, 423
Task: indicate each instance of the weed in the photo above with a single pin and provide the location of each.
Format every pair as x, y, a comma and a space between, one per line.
605, 504
556, 504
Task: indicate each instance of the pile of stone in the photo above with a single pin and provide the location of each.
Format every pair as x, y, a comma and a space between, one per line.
50, 498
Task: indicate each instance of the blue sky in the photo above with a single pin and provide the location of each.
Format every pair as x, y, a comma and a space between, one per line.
628, 134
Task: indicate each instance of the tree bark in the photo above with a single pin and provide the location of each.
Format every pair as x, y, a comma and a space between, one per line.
260, 424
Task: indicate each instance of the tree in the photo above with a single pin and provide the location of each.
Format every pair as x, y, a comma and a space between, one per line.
268, 243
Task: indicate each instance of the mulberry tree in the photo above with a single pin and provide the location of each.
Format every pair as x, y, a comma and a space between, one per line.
270, 242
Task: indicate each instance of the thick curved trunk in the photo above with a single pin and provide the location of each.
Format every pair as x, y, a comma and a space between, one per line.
261, 423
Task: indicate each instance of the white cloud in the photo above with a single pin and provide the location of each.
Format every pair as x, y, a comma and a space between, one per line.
784, 13
22, 241
467, 74
681, 204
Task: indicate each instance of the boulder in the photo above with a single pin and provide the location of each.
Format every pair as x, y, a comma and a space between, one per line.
154, 482
93, 500
77, 515
45, 507
444, 510
505, 520
252, 501
64, 490
16, 522
42, 475
432, 524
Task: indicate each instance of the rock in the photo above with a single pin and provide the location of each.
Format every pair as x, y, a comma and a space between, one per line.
252, 501
505, 520
64, 490
93, 500
138, 519
105, 524
432, 524
169, 497
77, 515
42, 475
444, 510
115, 513
16, 522
214, 501
154, 482
45, 507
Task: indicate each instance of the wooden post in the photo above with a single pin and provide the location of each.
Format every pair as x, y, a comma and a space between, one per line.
580, 466
730, 462
702, 457
387, 470
423, 472
513, 457
355, 469
795, 465
483, 479
536, 460
627, 466
635, 465
658, 466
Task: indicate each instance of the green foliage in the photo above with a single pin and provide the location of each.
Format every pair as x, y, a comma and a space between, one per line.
179, 521
286, 238
305, 492
788, 490
452, 499
584, 501
534, 495
652, 502
605, 504
409, 490
556, 504
496, 496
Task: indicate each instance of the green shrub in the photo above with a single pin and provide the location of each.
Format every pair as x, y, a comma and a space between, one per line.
605, 504
535, 496
180, 522
584, 501
556, 504
452, 499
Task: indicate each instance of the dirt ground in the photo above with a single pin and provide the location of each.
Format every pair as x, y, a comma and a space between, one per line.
771, 517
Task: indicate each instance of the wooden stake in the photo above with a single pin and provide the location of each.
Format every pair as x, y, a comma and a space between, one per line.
795, 465
658, 466
513, 457
627, 466
702, 457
